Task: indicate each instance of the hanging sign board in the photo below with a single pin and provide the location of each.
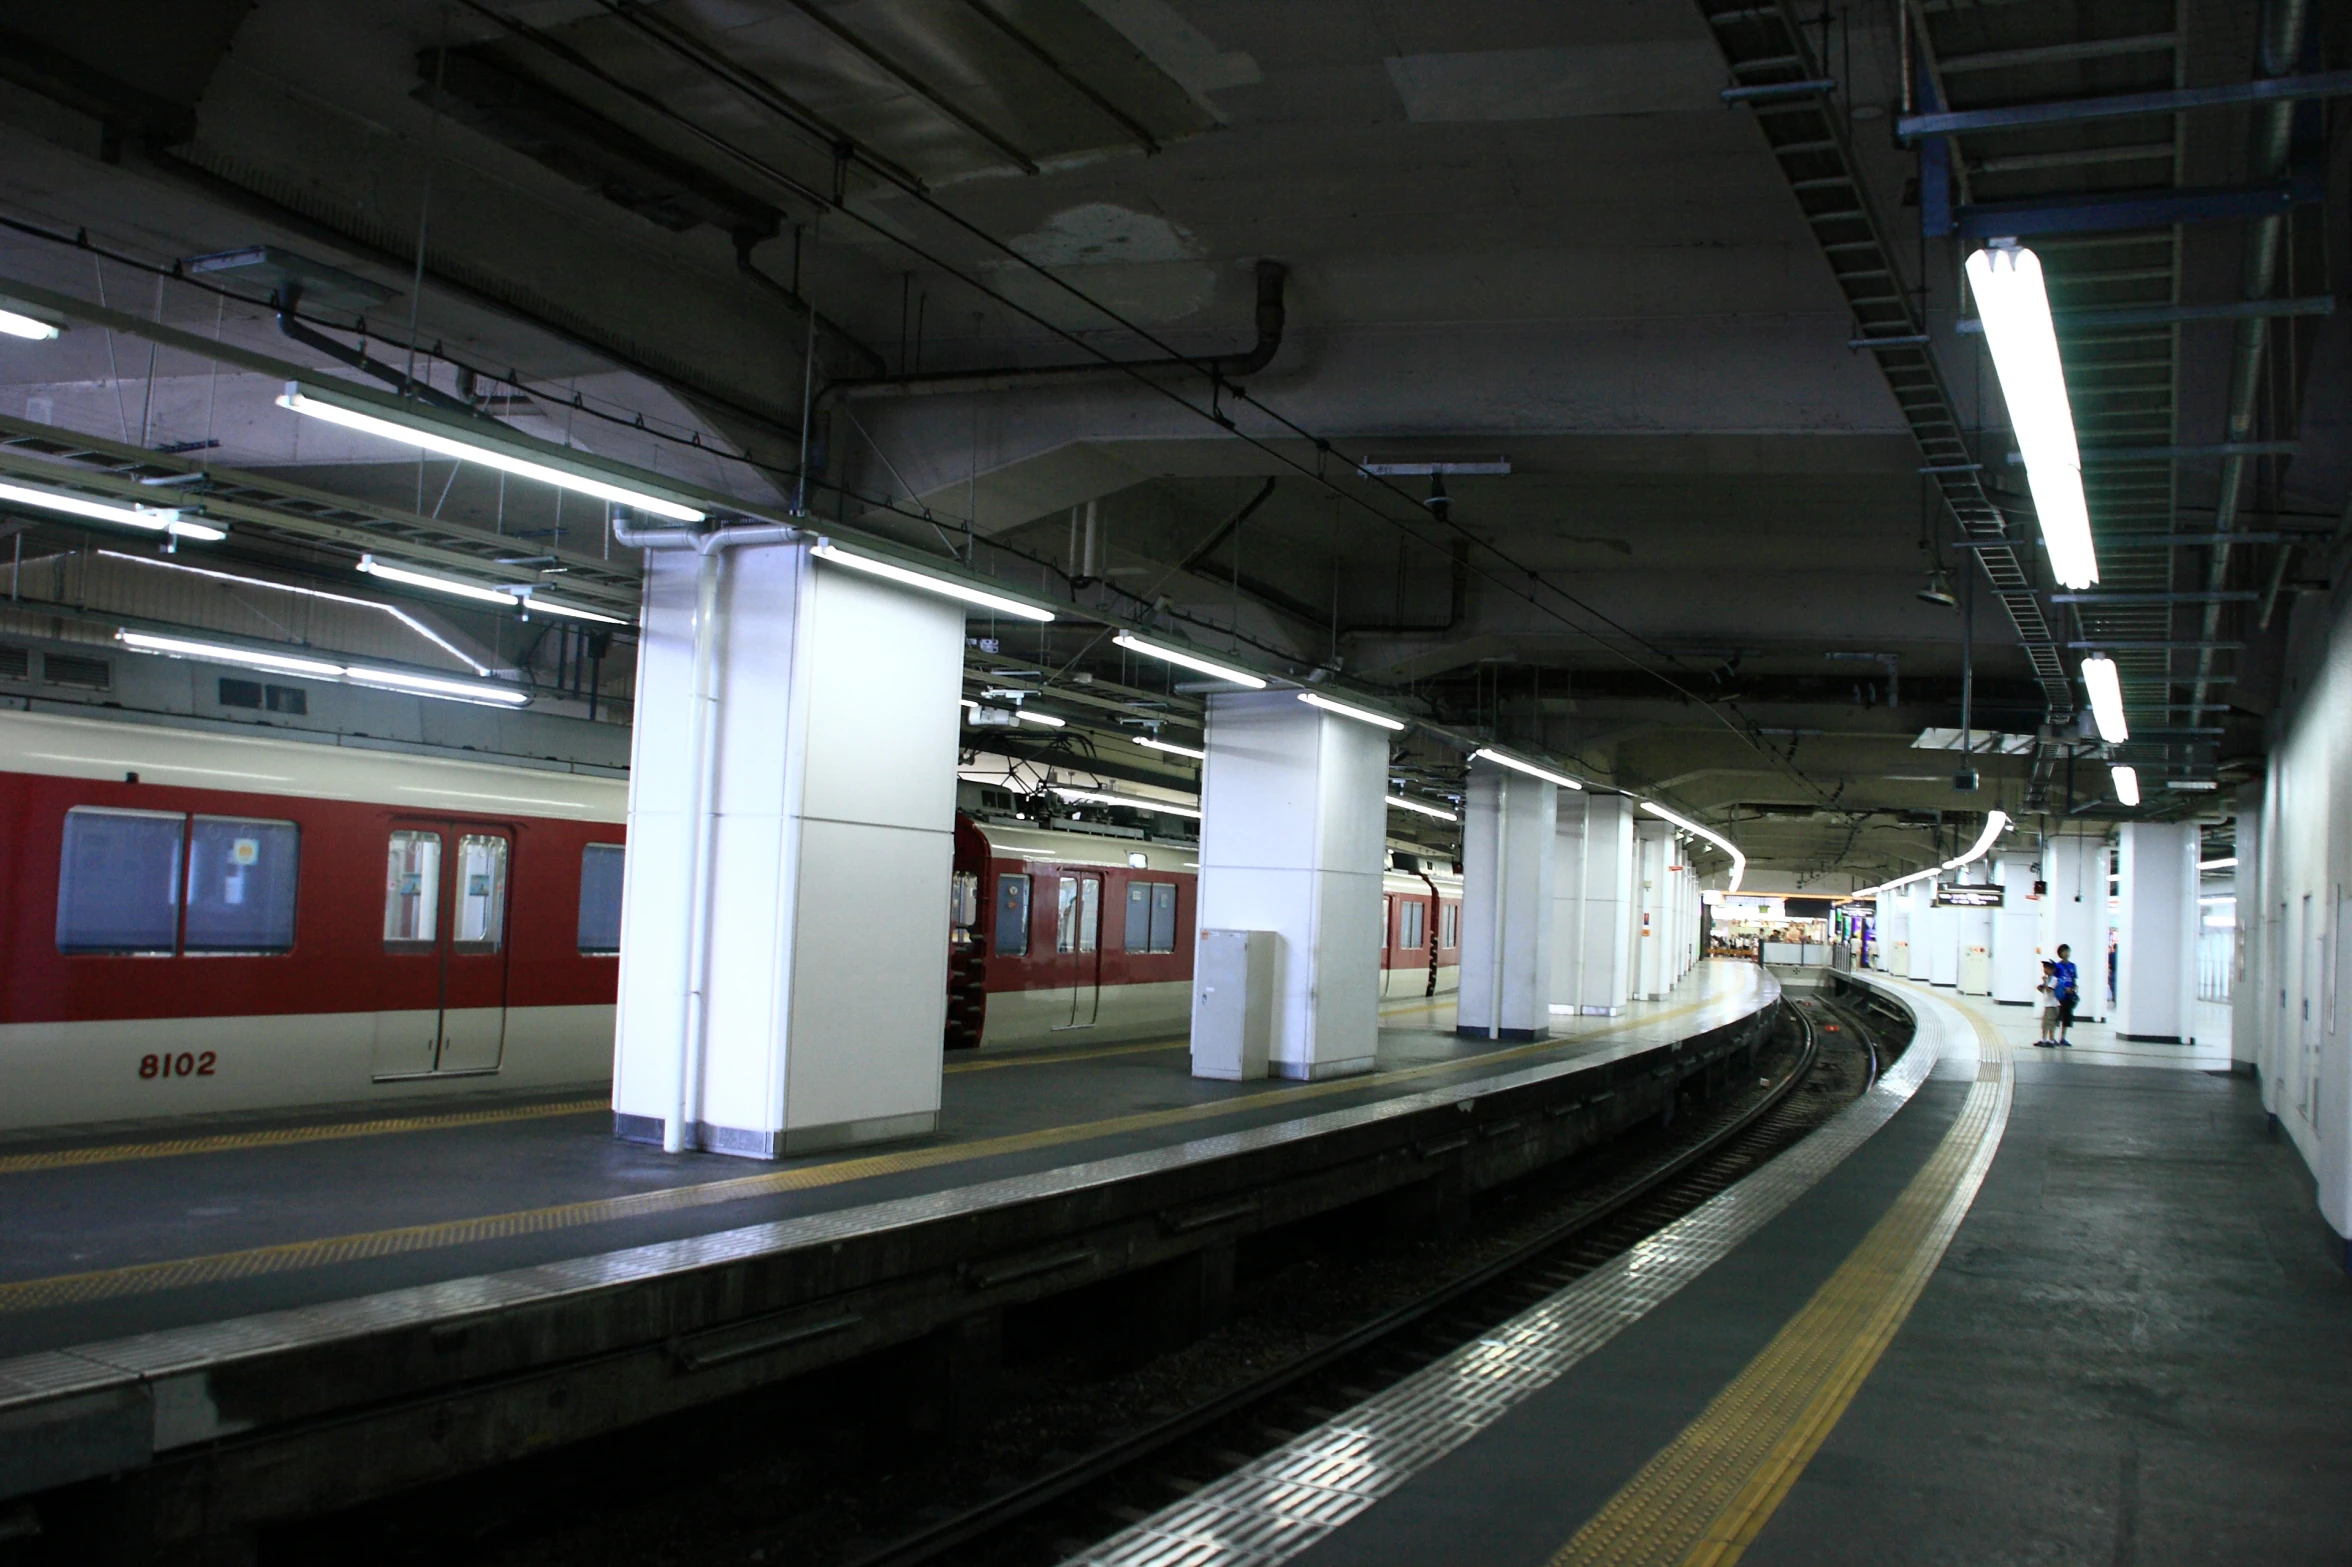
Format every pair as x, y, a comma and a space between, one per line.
1951, 895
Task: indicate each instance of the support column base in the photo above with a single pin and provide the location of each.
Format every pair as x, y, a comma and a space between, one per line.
747, 1143
1516, 1036
1316, 1071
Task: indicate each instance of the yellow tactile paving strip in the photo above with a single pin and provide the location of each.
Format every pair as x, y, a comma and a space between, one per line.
1708, 1494
254, 1262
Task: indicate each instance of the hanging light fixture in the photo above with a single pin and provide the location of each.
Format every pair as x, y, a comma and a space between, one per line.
1938, 589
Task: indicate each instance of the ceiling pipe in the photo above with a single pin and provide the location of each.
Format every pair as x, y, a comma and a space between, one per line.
1272, 317
2282, 41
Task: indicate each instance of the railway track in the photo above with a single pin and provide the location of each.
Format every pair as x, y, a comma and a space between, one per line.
1123, 1480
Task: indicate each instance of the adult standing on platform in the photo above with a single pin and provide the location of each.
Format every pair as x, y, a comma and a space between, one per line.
2062, 975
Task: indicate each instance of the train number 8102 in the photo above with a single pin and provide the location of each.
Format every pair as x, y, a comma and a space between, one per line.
186, 1064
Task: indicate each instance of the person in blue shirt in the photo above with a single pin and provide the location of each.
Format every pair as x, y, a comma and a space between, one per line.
2062, 975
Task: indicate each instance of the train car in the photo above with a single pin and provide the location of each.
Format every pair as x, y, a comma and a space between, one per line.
201, 922
1069, 937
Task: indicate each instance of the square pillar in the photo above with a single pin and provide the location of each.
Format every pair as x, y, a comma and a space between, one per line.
2075, 866
1653, 966
832, 733
1294, 826
1893, 927
2155, 932
1592, 905
2017, 930
1510, 830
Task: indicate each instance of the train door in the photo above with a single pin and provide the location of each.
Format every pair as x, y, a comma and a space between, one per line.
445, 916
1078, 946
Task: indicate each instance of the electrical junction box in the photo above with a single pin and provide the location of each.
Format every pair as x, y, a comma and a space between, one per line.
1233, 1003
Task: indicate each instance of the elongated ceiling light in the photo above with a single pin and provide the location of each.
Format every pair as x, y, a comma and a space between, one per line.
535, 603
2106, 688
1154, 742
1398, 802
1207, 666
2007, 282
2127, 783
1132, 802
493, 692
17, 324
468, 448
526, 599
2227, 863
1996, 823
1362, 715
945, 587
1897, 884
152, 520
1529, 768
1739, 861
1046, 719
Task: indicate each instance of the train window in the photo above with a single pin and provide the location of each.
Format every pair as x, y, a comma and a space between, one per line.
118, 887
1416, 916
1137, 935
1077, 913
1012, 916
963, 900
1089, 912
600, 898
1449, 925
1163, 916
412, 889
241, 880
481, 893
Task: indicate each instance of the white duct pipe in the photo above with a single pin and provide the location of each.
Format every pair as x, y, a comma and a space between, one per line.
1502, 892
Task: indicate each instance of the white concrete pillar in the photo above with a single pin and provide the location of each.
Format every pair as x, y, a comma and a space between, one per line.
1293, 832
1975, 930
831, 734
2075, 866
2156, 931
1653, 966
2017, 948
1593, 908
1893, 927
2248, 1015
1510, 832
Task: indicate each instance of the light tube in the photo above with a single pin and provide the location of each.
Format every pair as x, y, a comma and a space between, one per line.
1996, 823
2228, 864
1361, 715
433, 685
1398, 802
2015, 306
1529, 768
1207, 666
2127, 783
1047, 719
423, 579
1093, 797
534, 604
221, 653
946, 587
154, 521
454, 445
2106, 688
1739, 861
16, 325
1171, 747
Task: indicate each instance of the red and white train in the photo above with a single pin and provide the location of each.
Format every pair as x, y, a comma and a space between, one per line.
195, 922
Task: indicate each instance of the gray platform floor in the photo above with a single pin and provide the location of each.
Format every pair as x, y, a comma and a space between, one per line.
534, 1186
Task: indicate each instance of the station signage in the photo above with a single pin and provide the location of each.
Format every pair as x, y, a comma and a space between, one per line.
1951, 895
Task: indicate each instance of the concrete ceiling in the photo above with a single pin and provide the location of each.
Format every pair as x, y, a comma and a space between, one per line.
1516, 231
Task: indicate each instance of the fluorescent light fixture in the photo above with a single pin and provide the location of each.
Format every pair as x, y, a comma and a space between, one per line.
1996, 823
534, 604
1047, 719
223, 653
2127, 784
2226, 863
2191, 785
1739, 861
2106, 688
394, 611
2015, 305
1153, 742
490, 691
470, 448
1096, 797
1398, 802
1362, 715
1207, 666
2219, 897
425, 579
945, 587
1529, 768
151, 519
17, 324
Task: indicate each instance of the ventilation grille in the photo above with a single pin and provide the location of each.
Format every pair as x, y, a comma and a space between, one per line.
83, 674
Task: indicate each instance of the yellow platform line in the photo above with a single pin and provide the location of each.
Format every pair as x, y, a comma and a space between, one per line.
255, 1262
380, 1126
1708, 1494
